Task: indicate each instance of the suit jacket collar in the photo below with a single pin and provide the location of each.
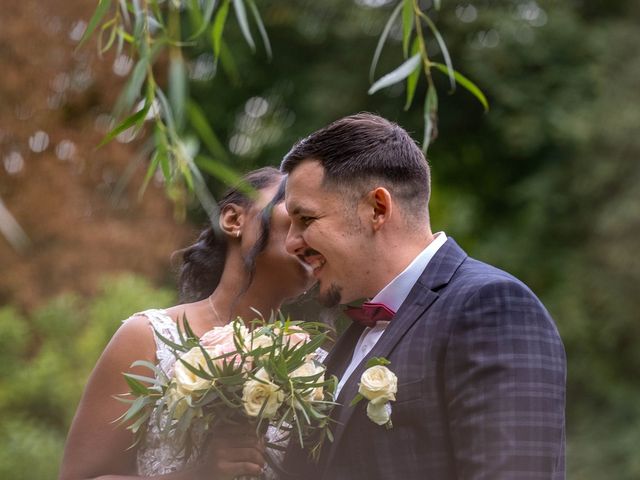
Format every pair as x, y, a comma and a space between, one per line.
436, 275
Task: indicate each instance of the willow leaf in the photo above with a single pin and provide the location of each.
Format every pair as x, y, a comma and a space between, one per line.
241, 14
412, 80
133, 120
178, 89
382, 40
96, 18
408, 15
399, 74
443, 49
466, 83
153, 166
218, 27
430, 117
261, 28
204, 130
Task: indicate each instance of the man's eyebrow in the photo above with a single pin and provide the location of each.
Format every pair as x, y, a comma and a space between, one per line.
299, 210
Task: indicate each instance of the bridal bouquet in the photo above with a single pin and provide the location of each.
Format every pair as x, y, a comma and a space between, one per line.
267, 375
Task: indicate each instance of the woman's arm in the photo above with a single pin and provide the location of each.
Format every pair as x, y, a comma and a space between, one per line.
97, 448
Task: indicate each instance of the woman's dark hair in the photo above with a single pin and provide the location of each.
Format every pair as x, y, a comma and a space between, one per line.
203, 262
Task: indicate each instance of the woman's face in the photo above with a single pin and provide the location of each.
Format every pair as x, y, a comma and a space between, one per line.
274, 264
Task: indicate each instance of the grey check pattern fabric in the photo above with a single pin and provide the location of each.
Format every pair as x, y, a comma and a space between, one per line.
481, 385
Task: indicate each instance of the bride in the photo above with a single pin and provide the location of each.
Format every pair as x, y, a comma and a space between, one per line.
224, 274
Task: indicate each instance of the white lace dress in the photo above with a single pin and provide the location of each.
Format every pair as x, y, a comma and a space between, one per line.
156, 454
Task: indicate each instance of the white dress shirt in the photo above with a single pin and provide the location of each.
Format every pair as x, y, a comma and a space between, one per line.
393, 296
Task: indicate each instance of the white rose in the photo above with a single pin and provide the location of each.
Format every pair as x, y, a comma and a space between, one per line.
259, 392
378, 385
261, 340
309, 369
177, 402
379, 413
295, 337
187, 381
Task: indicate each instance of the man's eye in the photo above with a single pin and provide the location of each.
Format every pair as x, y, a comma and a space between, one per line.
307, 220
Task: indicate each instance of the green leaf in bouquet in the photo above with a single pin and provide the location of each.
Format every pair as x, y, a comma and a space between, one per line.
200, 372
183, 326
159, 373
174, 346
133, 410
329, 435
212, 368
236, 378
229, 403
142, 420
144, 378
182, 426
137, 387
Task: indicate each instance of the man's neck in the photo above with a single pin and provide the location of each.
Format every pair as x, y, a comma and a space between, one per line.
395, 257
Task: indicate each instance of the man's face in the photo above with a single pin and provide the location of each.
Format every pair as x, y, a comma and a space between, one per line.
328, 233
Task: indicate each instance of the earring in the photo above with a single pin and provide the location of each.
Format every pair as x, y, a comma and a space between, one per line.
237, 233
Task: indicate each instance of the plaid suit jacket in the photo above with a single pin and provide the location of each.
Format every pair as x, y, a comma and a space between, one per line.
481, 385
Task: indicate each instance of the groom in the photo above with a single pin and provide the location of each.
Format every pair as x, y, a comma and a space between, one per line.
480, 365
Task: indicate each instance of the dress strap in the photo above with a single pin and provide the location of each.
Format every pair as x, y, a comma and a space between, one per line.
161, 322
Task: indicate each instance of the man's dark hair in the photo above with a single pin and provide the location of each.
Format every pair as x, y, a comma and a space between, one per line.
361, 150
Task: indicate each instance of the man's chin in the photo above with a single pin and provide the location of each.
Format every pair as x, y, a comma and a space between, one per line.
330, 297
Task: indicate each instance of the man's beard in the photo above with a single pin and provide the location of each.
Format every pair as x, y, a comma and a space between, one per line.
331, 297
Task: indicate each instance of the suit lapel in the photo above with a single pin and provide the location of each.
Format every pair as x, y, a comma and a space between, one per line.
436, 275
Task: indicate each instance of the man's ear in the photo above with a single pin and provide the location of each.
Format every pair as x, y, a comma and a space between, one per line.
232, 218
379, 206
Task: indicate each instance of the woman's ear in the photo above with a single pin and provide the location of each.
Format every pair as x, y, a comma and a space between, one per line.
232, 218
379, 207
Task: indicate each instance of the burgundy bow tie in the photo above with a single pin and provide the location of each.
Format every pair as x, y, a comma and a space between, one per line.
370, 313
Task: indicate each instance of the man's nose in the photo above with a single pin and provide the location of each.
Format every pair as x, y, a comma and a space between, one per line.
294, 242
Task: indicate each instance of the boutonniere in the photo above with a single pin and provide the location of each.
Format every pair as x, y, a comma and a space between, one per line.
379, 386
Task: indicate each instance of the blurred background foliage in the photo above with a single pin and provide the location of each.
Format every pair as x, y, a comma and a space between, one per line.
546, 185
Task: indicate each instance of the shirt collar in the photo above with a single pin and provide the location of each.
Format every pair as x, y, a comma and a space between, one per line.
396, 291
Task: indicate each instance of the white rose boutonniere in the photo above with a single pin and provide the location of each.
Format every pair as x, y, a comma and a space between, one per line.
379, 386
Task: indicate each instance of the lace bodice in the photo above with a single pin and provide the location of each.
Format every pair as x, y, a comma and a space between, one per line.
156, 454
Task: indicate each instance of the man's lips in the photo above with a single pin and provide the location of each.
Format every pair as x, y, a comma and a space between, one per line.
314, 260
